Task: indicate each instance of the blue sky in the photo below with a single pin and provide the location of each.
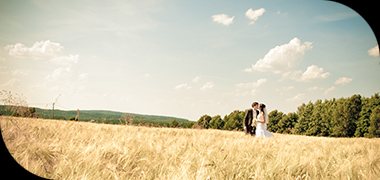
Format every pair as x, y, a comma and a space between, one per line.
185, 58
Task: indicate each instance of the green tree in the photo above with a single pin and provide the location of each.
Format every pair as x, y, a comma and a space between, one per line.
373, 130
287, 123
368, 104
339, 119
225, 120
326, 117
174, 123
304, 112
28, 112
204, 121
234, 120
345, 116
189, 124
315, 124
364, 120
216, 122
274, 118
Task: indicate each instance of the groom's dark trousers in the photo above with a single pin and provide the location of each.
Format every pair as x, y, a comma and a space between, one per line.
248, 122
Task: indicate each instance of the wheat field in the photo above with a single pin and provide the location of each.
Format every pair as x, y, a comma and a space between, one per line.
58, 149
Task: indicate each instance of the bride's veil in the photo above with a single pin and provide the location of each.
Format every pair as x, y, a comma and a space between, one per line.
266, 115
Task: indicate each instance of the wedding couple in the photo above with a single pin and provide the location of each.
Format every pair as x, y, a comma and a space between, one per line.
255, 121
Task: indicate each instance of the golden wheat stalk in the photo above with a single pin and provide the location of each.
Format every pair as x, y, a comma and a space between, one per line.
80, 150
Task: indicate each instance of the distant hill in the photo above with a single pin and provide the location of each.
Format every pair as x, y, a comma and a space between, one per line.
104, 116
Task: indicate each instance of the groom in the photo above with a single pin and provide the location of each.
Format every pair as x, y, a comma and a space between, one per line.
248, 118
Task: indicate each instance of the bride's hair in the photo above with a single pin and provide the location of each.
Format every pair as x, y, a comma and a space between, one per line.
262, 106
264, 110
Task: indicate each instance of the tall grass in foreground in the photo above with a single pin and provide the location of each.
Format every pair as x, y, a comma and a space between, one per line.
78, 150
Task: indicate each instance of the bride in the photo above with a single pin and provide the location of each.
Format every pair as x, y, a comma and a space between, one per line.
262, 121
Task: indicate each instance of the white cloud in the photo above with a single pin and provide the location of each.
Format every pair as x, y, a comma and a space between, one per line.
343, 80
58, 72
40, 49
43, 49
294, 75
196, 79
9, 83
83, 76
313, 72
253, 85
19, 72
182, 86
223, 19
280, 13
329, 90
282, 58
284, 89
254, 14
374, 51
207, 86
59, 79
297, 97
1, 58
65, 60
314, 88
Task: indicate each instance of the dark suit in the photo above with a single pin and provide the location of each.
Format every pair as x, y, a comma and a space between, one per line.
249, 116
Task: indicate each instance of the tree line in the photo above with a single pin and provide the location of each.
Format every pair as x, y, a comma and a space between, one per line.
355, 116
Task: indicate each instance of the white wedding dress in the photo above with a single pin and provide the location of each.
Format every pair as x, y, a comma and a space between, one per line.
261, 129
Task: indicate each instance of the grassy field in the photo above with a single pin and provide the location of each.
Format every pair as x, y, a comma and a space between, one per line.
80, 150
